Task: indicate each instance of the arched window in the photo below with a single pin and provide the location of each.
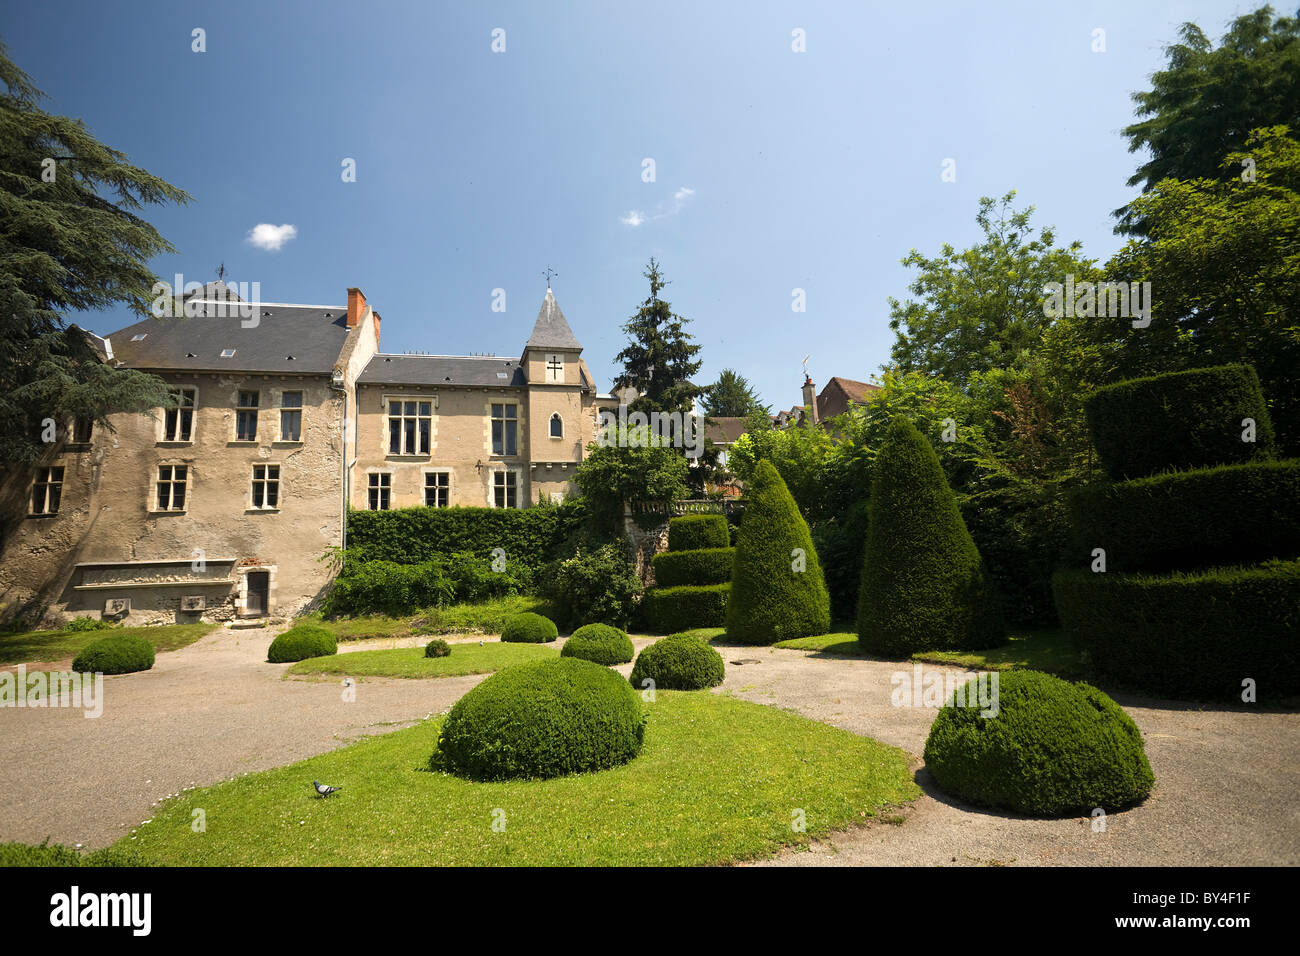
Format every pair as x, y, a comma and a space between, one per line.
557, 426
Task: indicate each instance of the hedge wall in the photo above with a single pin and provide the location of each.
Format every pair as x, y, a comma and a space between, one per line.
1178, 420
692, 532
703, 566
1184, 520
531, 536
1193, 635
685, 608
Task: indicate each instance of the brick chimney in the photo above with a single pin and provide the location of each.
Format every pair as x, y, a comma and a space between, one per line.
356, 307
376, 328
810, 397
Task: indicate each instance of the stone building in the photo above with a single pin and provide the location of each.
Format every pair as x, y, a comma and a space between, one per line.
286, 416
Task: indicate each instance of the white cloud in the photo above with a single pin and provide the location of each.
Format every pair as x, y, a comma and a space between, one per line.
636, 217
269, 237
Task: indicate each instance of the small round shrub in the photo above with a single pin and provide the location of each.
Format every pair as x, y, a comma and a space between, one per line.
115, 654
301, 642
542, 719
600, 644
529, 628
678, 662
1053, 748
437, 648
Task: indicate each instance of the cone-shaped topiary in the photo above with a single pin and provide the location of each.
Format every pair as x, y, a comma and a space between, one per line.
924, 586
777, 589
1051, 748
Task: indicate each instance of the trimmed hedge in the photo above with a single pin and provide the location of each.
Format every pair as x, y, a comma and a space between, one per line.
685, 607
529, 628
924, 585
1054, 748
678, 662
115, 654
301, 642
1184, 520
701, 566
600, 644
437, 648
1178, 420
697, 532
539, 720
1195, 635
385, 587
530, 536
772, 599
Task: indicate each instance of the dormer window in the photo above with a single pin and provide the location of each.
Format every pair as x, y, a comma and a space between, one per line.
554, 367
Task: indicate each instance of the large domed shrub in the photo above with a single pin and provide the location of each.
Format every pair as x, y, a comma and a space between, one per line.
301, 642
678, 662
1054, 748
116, 654
529, 628
543, 719
924, 586
771, 598
600, 644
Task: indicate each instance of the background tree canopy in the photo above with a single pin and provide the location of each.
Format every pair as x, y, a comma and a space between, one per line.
72, 240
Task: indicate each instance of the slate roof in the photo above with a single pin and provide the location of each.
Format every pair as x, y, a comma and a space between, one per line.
312, 335
724, 429
474, 370
551, 331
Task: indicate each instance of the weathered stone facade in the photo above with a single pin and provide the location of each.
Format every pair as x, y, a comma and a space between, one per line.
223, 508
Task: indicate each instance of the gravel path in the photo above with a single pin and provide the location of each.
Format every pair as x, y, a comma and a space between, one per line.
1227, 778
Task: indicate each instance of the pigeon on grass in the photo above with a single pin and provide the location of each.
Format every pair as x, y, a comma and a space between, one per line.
322, 790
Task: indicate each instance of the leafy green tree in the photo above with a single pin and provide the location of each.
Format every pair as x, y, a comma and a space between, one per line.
660, 359
1209, 98
629, 464
731, 396
924, 585
72, 241
778, 592
981, 308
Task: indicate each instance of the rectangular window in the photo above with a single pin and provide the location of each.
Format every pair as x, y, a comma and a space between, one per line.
505, 489
437, 488
409, 425
291, 416
47, 491
505, 429
246, 416
266, 487
171, 487
81, 430
381, 484
178, 422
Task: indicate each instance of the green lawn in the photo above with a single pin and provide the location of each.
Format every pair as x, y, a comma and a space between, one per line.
706, 634
49, 646
719, 780
485, 617
1045, 650
411, 662
842, 645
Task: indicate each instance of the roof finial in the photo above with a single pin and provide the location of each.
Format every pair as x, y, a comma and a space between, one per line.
549, 273
806, 377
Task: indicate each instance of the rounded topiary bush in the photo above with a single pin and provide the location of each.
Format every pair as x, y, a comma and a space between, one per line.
924, 585
529, 628
1053, 748
678, 662
301, 642
543, 719
437, 648
692, 532
600, 644
116, 654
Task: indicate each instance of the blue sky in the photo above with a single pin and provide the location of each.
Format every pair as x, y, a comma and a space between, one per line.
475, 170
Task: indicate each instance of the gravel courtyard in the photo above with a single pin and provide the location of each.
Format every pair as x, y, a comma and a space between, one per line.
1226, 777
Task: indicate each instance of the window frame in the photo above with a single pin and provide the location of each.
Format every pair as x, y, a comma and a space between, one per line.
550, 427
172, 482
172, 418
500, 483
445, 488
242, 410
266, 482
379, 488
292, 410
507, 449
418, 436
48, 485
